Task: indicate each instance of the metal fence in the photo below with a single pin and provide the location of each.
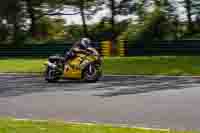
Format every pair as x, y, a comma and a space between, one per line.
36, 50
165, 48
155, 48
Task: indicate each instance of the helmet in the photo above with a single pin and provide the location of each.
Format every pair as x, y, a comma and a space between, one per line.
85, 42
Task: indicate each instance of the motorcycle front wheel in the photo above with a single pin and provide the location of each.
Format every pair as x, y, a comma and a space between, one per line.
50, 75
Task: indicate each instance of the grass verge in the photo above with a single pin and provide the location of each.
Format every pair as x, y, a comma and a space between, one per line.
156, 65
14, 126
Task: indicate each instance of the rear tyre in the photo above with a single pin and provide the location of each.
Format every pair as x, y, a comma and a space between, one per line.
91, 73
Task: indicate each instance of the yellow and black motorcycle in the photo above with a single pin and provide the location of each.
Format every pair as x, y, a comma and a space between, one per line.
86, 67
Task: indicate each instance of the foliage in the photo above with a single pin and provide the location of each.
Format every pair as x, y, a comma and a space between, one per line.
101, 31
86, 9
116, 7
24, 20
153, 28
192, 11
51, 28
3, 32
141, 7
74, 32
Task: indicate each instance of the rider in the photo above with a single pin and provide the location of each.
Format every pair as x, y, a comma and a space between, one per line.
80, 46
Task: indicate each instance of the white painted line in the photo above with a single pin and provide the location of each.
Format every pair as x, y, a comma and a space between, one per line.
151, 76
156, 76
22, 74
95, 123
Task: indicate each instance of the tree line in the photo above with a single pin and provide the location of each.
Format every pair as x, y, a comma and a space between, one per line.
39, 19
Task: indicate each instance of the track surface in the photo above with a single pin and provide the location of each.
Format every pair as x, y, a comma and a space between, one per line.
156, 102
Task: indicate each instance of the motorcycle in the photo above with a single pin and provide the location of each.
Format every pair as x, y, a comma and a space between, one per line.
85, 67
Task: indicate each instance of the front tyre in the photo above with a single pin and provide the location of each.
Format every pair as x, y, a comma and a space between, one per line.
50, 75
91, 73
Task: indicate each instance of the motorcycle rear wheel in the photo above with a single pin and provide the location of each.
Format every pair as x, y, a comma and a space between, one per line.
91, 73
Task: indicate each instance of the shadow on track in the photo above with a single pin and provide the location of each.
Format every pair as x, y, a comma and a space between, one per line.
143, 84
108, 87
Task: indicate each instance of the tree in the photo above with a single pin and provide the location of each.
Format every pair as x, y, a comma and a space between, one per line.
118, 7
169, 9
12, 14
18, 12
39, 8
4, 32
192, 9
86, 9
103, 30
74, 32
152, 28
51, 28
141, 9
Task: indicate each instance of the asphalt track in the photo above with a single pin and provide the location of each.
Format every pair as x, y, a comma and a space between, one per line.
144, 101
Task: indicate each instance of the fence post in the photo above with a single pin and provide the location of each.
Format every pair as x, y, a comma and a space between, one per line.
106, 48
121, 48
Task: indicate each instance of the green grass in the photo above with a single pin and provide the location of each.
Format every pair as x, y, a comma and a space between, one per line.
160, 65
11, 126
22, 65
